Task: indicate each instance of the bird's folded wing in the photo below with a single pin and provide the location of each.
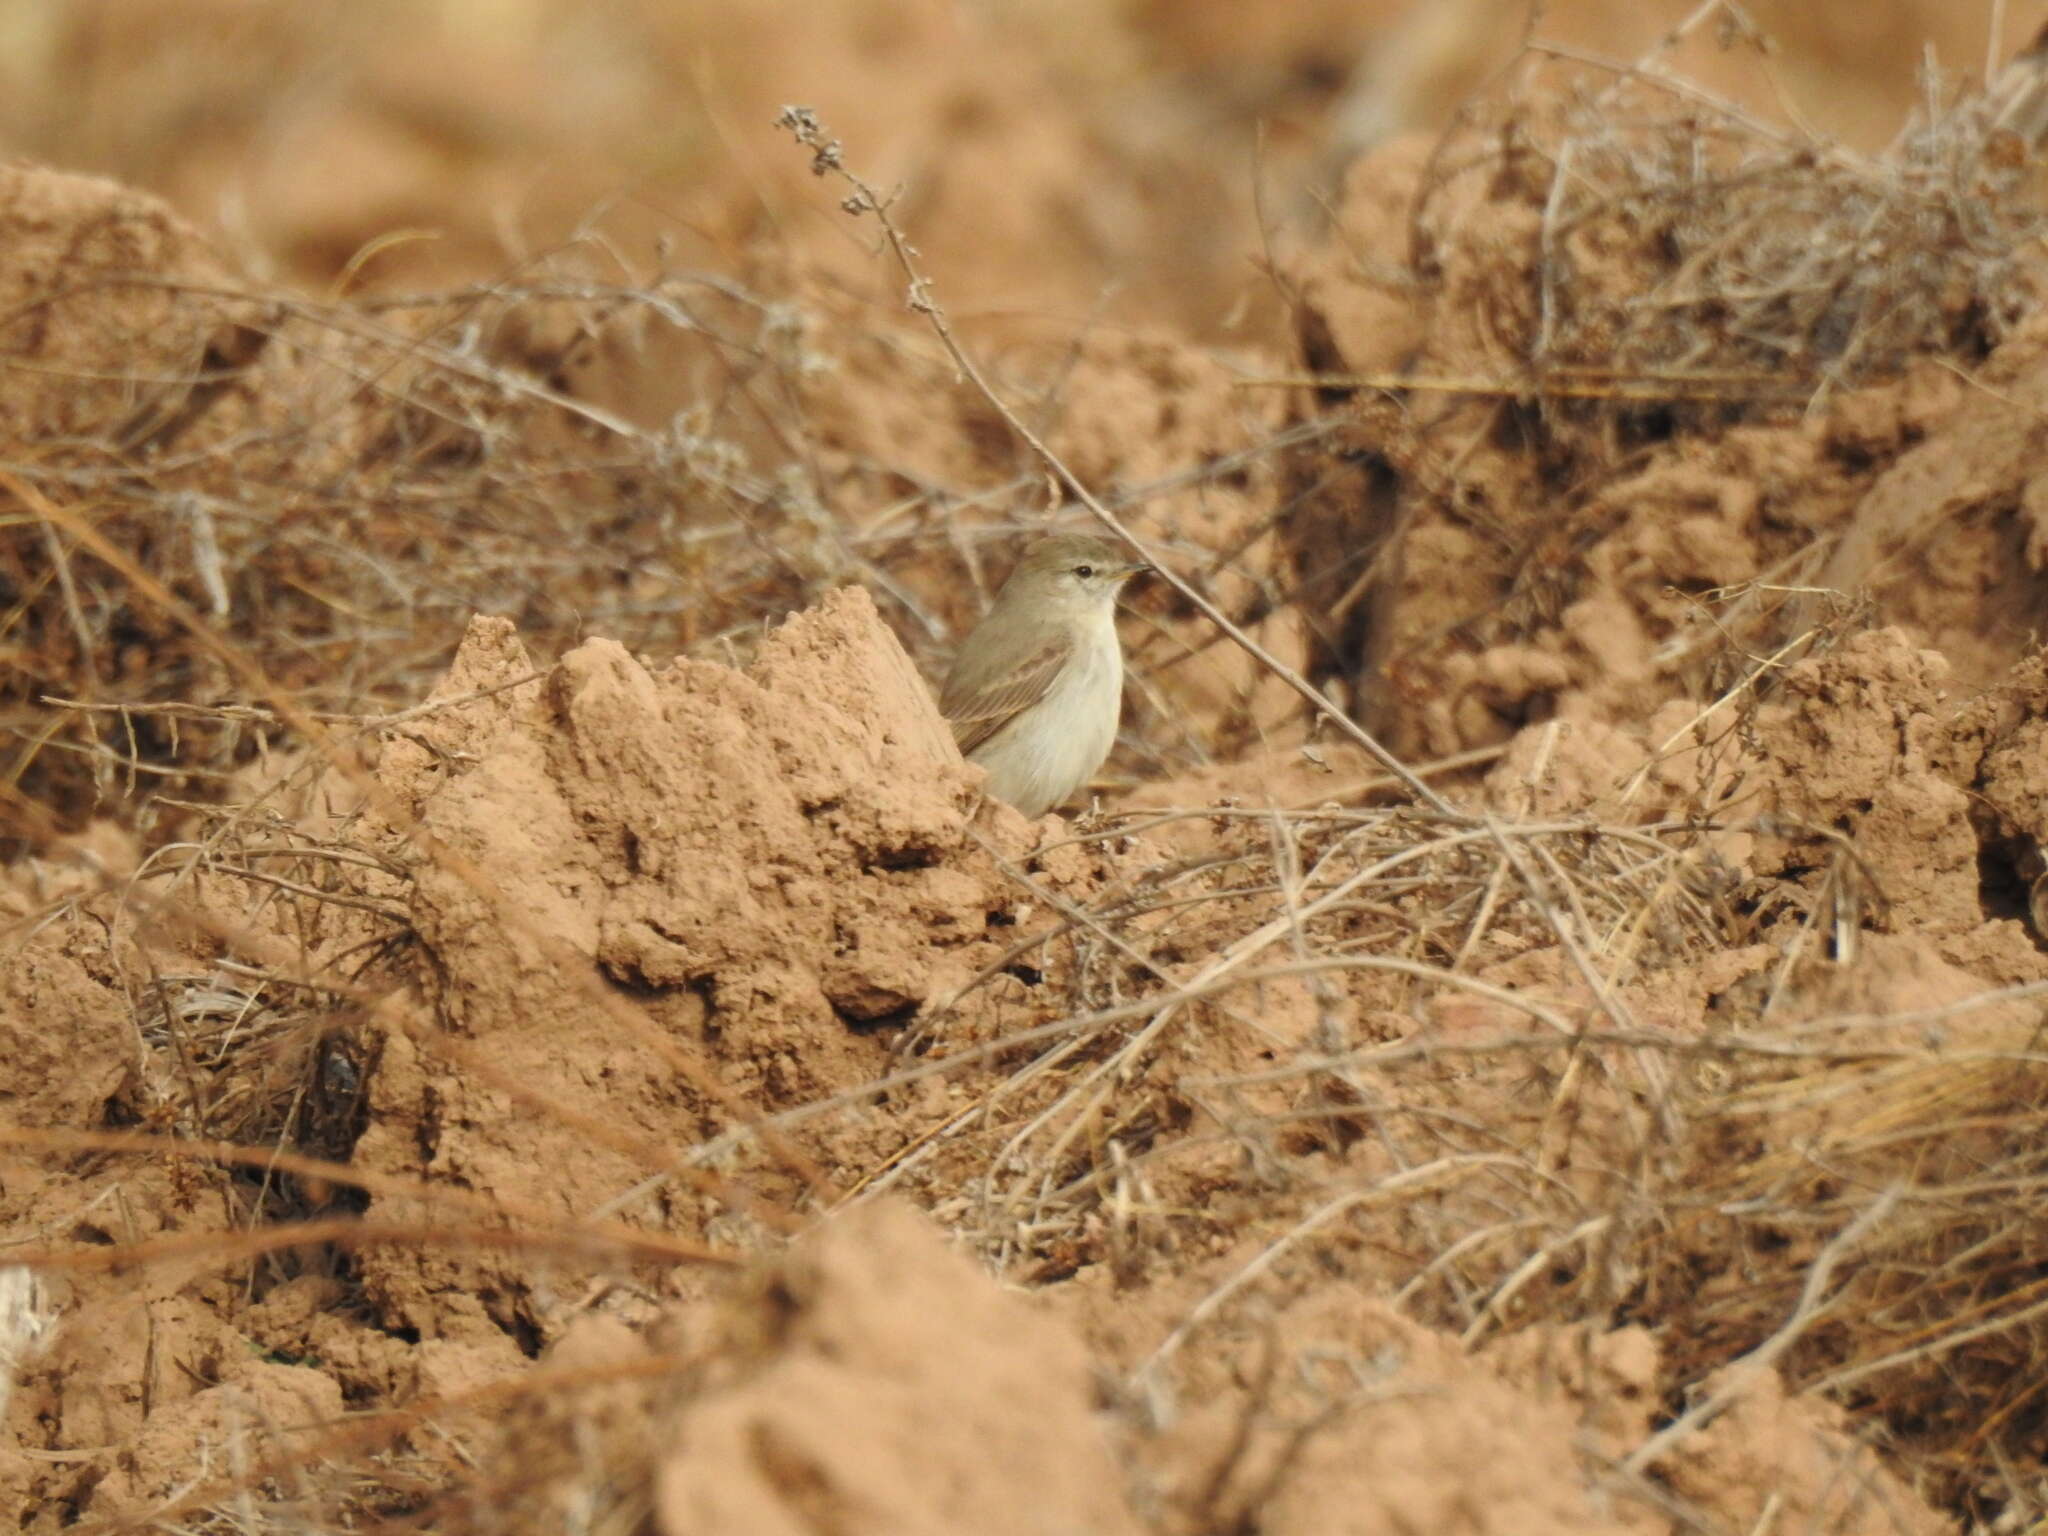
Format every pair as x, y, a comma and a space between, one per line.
979, 701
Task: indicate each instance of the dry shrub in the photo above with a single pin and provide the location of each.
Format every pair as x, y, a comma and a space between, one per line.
373, 479
1621, 362
1679, 247
1921, 1131
1831, 1169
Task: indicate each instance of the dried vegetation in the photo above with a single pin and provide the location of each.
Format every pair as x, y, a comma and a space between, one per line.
1576, 1051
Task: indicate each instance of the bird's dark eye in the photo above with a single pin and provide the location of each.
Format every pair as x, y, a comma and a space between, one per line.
1084, 571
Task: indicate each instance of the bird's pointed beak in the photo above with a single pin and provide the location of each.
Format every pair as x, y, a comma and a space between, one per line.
1137, 568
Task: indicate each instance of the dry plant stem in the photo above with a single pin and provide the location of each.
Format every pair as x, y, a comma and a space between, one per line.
1078, 917
1449, 1255
1568, 932
572, 966
1249, 946
1118, 1067
1813, 1302
310, 1168
1751, 682
826, 159
1144, 1378
1672, 83
1561, 1031
1495, 1307
247, 712
60, 559
372, 1429
1557, 383
1360, 789
353, 1232
1848, 1377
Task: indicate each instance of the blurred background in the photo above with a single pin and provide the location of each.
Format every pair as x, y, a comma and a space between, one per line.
1122, 157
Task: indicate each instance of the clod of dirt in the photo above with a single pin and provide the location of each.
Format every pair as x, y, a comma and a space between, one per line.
1398, 1430
738, 834
123, 1377
104, 334
1327, 1410
64, 1044
1771, 1449
256, 1415
1851, 745
898, 1390
1820, 1477
2003, 734
1953, 537
767, 864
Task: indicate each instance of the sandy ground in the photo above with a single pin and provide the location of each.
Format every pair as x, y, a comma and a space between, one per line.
514, 1016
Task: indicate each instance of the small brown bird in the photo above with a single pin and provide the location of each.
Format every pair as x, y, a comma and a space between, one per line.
1036, 691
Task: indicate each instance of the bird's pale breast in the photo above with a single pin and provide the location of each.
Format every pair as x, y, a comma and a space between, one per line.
1052, 748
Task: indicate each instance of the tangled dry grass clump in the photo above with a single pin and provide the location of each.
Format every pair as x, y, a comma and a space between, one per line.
469, 1073
1624, 361
1678, 248
413, 462
1785, 271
